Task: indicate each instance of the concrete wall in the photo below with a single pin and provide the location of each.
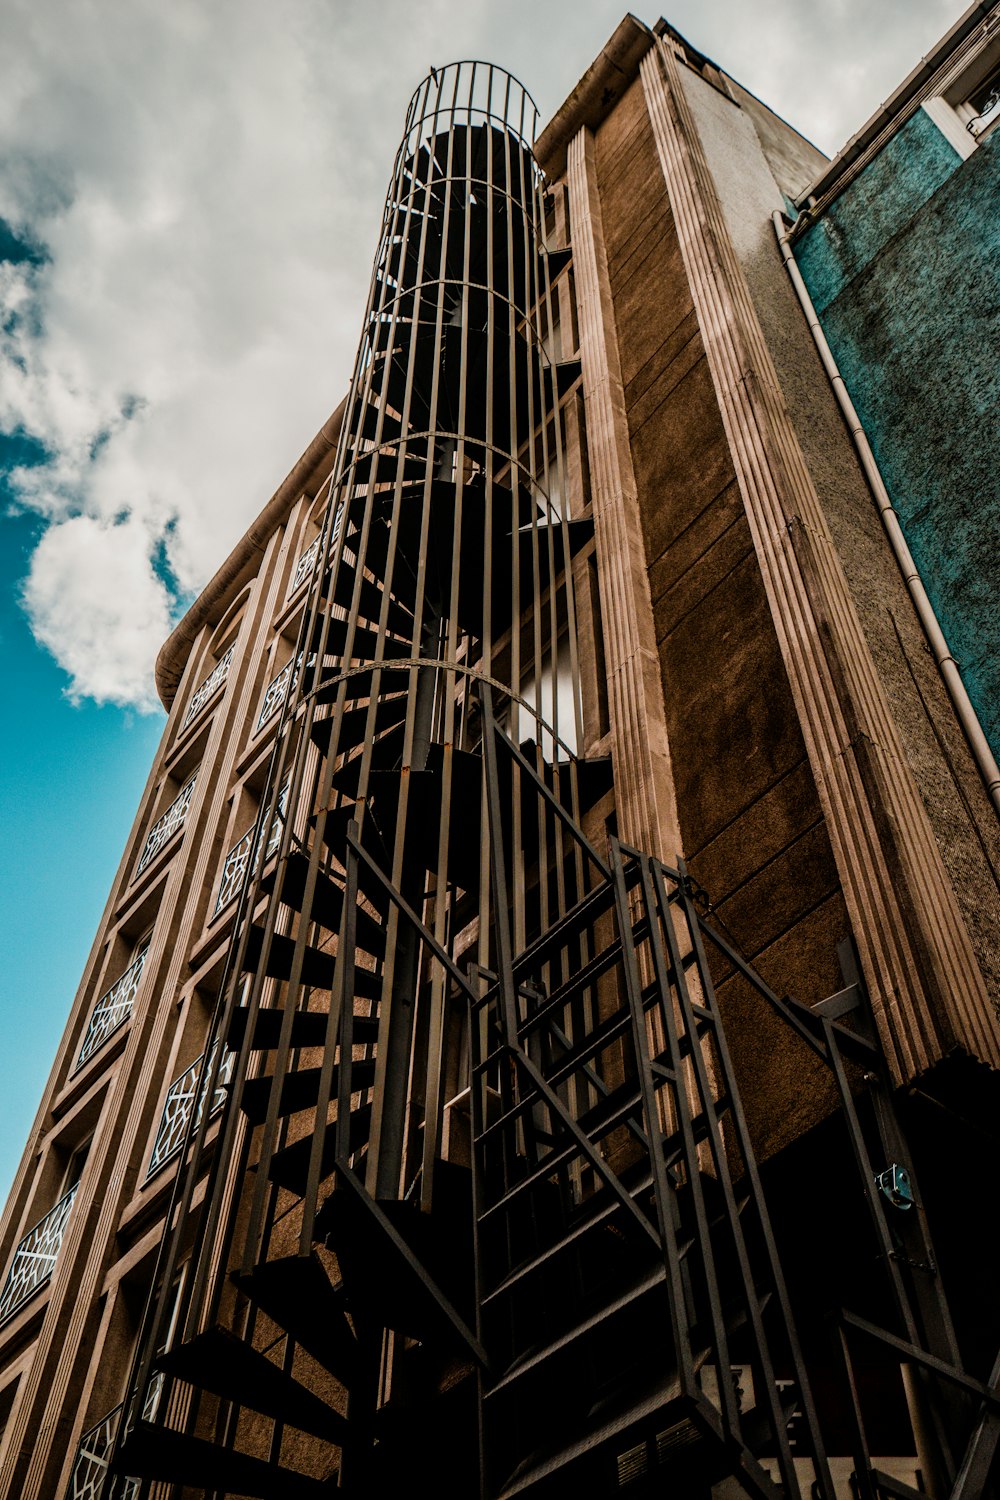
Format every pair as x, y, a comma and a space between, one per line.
904, 268
749, 815
963, 822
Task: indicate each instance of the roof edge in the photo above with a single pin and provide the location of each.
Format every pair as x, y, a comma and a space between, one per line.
593, 97
314, 466
901, 97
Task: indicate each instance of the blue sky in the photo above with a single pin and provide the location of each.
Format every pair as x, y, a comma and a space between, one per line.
189, 200
72, 776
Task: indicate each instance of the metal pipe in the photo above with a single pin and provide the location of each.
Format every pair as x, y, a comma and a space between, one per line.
948, 667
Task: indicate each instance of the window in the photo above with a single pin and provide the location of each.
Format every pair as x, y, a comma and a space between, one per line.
166, 826
968, 106
115, 1005
980, 111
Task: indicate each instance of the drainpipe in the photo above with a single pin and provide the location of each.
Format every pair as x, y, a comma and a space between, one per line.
967, 716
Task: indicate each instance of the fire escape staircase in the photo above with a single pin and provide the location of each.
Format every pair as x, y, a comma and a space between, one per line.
560, 1312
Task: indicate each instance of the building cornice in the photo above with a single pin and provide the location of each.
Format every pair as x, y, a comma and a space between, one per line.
901, 103
239, 567
596, 94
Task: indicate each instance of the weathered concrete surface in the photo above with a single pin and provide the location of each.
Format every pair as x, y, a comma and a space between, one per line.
904, 268
750, 818
963, 822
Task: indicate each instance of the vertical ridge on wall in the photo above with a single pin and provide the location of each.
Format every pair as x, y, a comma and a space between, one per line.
647, 810
879, 829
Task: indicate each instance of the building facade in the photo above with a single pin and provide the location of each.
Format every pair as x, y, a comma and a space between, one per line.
897, 245
543, 1035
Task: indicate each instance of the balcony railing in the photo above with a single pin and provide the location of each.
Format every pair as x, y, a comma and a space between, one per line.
304, 565
164, 828
36, 1255
90, 1471
180, 1101
87, 1481
212, 683
277, 689
114, 1007
234, 869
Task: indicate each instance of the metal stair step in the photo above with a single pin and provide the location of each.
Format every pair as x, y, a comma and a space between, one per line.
384, 754
158, 1453
389, 711
289, 1167
296, 1293
219, 1362
364, 640
299, 1090
317, 967
359, 686
371, 598
327, 901
309, 1029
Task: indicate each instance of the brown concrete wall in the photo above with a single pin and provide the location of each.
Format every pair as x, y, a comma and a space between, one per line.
750, 819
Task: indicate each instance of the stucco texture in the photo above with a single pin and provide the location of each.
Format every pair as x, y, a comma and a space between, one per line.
904, 268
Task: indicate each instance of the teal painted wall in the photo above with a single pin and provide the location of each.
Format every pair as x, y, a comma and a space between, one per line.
904, 268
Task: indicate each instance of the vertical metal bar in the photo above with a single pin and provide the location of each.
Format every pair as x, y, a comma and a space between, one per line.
507, 993
661, 1190
824, 1481
683, 1114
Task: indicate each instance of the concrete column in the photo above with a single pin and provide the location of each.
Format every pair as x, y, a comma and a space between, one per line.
647, 811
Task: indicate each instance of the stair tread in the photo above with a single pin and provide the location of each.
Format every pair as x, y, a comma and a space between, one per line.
389, 711
220, 1362
296, 1293
289, 1167
317, 967
309, 1029
158, 1453
299, 1090
327, 902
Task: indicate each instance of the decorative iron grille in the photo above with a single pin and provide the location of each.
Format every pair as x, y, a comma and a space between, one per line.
113, 1008
235, 867
90, 1472
91, 1467
36, 1255
179, 1102
209, 687
164, 828
304, 565
277, 689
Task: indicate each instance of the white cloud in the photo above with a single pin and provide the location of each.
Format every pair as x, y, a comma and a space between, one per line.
206, 180
95, 601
